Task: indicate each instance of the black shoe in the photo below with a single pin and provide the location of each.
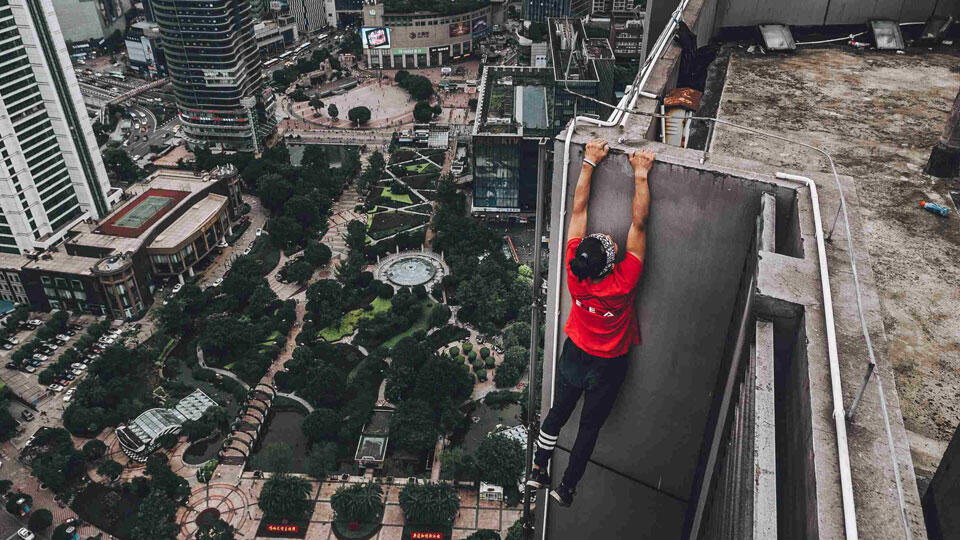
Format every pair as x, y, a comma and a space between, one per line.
563, 495
539, 478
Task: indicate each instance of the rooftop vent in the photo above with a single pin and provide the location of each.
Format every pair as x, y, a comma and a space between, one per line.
777, 37
887, 36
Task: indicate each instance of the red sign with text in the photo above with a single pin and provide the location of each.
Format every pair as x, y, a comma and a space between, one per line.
426, 536
283, 528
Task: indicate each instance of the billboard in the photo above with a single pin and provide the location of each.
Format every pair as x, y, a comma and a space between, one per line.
459, 29
479, 26
375, 37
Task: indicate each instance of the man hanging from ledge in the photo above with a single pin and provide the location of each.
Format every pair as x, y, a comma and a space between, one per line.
602, 325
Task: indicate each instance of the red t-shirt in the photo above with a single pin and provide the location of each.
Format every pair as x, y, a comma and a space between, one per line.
603, 320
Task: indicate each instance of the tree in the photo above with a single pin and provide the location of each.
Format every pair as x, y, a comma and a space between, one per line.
60, 532
285, 497
484, 534
359, 115
315, 157
317, 254
155, 518
5, 486
537, 31
401, 76
285, 230
321, 425
413, 426
507, 375
110, 469
517, 335
429, 504
119, 163
422, 112
500, 460
94, 449
40, 520
218, 530
357, 503
456, 465
333, 111
322, 459
299, 271
439, 315
325, 302
315, 103
276, 458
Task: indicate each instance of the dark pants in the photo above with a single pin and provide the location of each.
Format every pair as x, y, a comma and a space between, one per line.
599, 380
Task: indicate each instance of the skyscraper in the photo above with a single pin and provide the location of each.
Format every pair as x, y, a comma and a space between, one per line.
213, 61
541, 10
52, 174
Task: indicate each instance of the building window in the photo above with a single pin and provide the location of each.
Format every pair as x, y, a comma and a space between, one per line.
45, 280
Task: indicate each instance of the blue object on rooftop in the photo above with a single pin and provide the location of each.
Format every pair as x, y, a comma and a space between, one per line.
6, 306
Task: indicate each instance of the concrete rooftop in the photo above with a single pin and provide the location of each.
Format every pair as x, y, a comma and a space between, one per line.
878, 114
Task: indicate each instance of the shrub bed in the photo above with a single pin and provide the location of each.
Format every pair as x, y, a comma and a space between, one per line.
389, 223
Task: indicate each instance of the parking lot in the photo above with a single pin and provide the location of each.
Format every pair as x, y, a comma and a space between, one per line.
44, 404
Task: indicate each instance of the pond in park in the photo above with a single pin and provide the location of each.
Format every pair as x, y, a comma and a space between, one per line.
199, 452
283, 427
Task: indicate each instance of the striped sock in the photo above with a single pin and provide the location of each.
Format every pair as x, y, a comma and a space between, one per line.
546, 441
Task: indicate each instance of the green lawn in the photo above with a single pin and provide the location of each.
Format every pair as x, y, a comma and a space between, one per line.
420, 324
349, 322
389, 194
419, 168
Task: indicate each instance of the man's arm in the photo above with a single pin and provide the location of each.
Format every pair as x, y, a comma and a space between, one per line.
642, 161
595, 152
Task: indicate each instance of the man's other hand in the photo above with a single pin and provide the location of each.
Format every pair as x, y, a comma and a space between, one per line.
642, 161
596, 150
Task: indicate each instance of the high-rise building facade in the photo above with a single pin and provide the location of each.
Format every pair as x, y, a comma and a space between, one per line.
52, 175
213, 61
91, 19
541, 10
309, 14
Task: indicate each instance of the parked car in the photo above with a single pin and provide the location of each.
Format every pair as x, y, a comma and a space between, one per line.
30, 369
11, 365
77, 372
40, 357
27, 415
259, 231
25, 534
63, 337
55, 387
246, 251
70, 333
176, 288
78, 365
69, 395
35, 322
35, 363
218, 282
7, 347
70, 376
13, 340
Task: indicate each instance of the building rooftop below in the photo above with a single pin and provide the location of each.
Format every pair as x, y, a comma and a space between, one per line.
188, 223
515, 101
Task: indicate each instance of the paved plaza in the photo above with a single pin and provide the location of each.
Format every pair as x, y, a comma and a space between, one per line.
237, 506
389, 105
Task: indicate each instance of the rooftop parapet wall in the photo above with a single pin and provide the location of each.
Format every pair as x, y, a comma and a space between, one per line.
650, 447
